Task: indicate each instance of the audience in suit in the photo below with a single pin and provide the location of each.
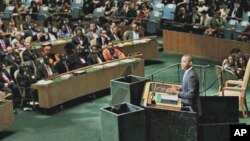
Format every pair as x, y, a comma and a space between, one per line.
132, 34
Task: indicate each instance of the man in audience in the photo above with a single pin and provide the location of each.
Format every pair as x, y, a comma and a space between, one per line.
114, 35
80, 40
9, 59
29, 54
8, 85
102, 40
132, 34
93, 32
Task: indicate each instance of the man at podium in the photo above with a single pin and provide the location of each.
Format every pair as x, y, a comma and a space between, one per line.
189, 92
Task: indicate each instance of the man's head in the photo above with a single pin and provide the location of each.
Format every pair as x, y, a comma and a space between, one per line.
186, 62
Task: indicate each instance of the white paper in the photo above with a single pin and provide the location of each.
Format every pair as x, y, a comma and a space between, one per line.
44, 82
169, 97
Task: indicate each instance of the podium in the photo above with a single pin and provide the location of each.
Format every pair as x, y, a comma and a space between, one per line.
154, 96
165, 119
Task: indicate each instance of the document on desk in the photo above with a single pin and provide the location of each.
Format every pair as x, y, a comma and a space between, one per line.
165, 98
44, 82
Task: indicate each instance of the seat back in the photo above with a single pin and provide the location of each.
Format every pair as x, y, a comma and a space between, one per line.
246, 16
158, 7
77, 3
225, 75
155, 16
169, 12
246, 75
242, 26
218, 73
75, 13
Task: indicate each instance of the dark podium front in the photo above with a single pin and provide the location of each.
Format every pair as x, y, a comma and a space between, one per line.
167, 121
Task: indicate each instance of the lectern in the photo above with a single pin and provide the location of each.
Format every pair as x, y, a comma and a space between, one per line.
165, 119
155, 96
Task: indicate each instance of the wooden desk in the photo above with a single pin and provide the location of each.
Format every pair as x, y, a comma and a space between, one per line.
97, 78
147, 47
6, 114
213, 48
148, 96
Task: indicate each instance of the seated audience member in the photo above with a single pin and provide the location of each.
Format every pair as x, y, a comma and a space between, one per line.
17, 42
181, 16
93, 32
205, 19
9, 58
15, 66
33, 9
236, 12
63, 32
25, 79
216, 23
60, 65
29, 54
12, 27
131, 13
8, 85
132, 34
80, 40
47, 48
2, 44
236, 53
114, 35
46, 69
241, 67
194, 16
95, 56
229, 64
224, 11
111, 53
102, 40
26, 24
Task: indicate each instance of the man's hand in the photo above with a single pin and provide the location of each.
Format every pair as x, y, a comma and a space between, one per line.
173, 91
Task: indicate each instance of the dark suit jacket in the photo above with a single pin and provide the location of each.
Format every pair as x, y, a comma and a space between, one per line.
2, 81
99, 42
112, 37
190, 90
238, 13
8, 60
76, 41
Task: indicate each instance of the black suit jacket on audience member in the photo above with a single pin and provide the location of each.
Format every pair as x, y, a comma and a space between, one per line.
60, 67
112, 37
28, 55
76, 41
8, 60
2, 80
99, 42
238, 13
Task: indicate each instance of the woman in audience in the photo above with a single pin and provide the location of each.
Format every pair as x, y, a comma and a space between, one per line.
216, 24
17, 42
60, 65
12, 27
111, 53
229, 64
241, 67
2, 26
